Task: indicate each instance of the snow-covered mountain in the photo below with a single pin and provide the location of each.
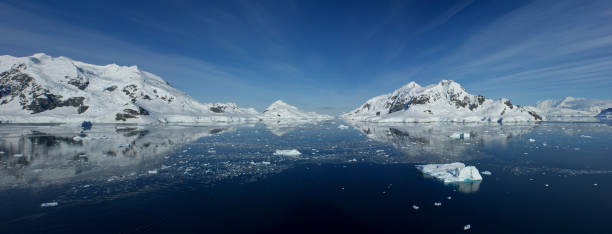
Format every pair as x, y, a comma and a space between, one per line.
573, 107
281, 111
444, 101
44, 89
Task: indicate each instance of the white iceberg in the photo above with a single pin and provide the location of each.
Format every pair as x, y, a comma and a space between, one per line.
49, 204
451, 172
460, 135
342, 126
292, 152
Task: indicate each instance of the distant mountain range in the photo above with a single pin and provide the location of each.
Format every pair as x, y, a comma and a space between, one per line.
44, 89
571, 106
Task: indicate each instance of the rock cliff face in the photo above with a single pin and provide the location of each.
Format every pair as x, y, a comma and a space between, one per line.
445, 101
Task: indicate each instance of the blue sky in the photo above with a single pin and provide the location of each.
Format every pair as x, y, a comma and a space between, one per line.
330, 56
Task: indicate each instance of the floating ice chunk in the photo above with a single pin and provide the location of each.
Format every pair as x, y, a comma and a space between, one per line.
437, 203
292, 152
342, 126
152, 171
415, 207
585, 136
451, 172
352, 160
531, 140
486, 173
17, 155
49, 204
460, 135
595, 184
467, 227
265, 162
449, 197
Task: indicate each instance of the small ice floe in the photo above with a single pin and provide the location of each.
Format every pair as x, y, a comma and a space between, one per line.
49, 204
595, 185
467, 227
265, 163
79, 138
152, 172
585, 136
342, 126
2, 152
460, 135
486, 173
451, 172
449, 197
292, 152
415, 207
352, 160
546, 185
532, 140
17, 155
437, 203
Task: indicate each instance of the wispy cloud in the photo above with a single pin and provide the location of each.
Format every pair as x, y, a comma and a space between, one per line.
542, 43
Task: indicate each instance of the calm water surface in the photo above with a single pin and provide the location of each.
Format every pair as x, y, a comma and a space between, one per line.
546, 178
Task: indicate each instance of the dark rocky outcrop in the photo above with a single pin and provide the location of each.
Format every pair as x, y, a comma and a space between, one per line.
217, 109
131, 113
536, 116
14, 83
111, 88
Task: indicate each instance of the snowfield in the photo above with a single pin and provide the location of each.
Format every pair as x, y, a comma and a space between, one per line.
446, 101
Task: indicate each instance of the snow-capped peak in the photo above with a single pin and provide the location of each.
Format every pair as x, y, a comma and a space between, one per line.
445, 101
41, 88
279, 104
280, 110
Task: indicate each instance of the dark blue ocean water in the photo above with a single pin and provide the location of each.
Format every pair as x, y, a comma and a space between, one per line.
546, 178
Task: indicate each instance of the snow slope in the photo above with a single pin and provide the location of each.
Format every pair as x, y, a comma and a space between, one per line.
445, 101
572, 109
44, 89
281, 111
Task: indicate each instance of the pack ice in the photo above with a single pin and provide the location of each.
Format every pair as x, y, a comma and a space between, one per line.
451, 172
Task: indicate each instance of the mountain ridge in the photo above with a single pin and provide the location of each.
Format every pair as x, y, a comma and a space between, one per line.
445, 101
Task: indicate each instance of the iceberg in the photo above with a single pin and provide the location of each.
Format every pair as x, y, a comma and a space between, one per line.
460, 135
451, 172
49, 204
292, 152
